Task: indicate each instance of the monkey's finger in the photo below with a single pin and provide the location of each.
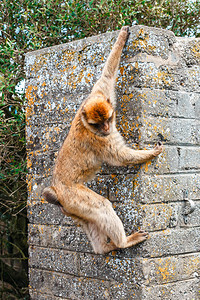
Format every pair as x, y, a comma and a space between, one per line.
125, 28
158, 146
144, 233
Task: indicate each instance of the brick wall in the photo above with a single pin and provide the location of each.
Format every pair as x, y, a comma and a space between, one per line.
158, 92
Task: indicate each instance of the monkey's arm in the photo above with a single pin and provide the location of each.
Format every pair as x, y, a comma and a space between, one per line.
121, 155
107, 80
111, 67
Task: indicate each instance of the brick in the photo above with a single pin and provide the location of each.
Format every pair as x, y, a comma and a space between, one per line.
92, 50
35, 186
173, 130
53, 60
188, 105
110, 268
162, 216
189, 158
120, 188
115, 187
123, 290
191, 52
68, 287
48, 138
194, 218
61, 237
54, 259
156, 217
172, 242
39, 163
108, 170
168, 104
151, 41
171, 269
167, 188
48, 102
128, 112
166, 163
130, 213
37, 296
45, 213
145, 73
185, 290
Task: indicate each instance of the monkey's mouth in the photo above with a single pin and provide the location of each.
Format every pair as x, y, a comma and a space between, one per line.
102, 134
105, 133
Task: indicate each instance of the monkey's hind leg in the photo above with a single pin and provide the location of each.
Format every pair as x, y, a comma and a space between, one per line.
83, 203
102, 221
96, 215
98, 239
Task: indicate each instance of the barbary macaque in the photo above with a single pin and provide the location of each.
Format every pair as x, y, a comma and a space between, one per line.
92, 140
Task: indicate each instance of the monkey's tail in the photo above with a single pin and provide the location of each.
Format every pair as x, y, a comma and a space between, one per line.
50, 195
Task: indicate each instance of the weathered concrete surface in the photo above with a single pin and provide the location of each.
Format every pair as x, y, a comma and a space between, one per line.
158, 91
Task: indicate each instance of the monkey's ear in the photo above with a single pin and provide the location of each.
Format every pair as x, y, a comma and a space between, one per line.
108, 100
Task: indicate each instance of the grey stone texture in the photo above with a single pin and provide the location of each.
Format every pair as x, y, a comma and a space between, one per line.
158, 91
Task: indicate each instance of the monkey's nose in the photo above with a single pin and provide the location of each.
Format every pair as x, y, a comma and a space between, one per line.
106, 126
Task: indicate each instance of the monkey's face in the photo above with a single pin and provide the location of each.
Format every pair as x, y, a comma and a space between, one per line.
98, 116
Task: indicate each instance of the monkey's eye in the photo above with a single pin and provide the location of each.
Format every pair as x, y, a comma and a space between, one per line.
95, 125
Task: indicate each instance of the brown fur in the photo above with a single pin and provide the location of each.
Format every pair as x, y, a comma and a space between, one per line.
98, 111
92, 140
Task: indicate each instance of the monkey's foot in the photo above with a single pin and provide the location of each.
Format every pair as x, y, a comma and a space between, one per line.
137, 237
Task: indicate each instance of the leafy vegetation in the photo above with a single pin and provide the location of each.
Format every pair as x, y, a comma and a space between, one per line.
29, 25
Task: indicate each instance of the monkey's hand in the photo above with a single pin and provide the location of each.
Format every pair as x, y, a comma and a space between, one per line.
158, 149
124, 33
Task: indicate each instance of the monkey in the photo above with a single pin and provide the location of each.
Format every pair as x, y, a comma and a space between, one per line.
92, 140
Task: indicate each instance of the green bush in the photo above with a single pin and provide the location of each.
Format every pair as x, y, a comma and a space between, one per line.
29, 25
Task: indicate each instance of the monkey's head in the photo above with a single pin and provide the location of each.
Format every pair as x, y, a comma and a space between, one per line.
98, 115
